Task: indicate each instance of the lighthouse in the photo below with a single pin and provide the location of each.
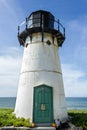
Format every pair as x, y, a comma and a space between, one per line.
40, 95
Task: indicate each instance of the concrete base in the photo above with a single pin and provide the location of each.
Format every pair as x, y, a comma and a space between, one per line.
26, 128
44, 128
72, 127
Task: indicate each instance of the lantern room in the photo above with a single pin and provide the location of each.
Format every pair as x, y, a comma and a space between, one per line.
41, 21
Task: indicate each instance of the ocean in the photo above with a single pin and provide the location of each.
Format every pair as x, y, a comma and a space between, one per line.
72, 103
79, 103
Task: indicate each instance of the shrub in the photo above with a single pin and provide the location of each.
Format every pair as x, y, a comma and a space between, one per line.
9, 119
79, 118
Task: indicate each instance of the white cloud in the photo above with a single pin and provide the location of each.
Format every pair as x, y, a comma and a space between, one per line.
9, 72
75, 59
75, 82
11, 14
77, 32
74, 51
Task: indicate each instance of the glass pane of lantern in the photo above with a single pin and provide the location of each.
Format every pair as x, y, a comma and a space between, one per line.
51, 21
30, 22
46, 20
36, 19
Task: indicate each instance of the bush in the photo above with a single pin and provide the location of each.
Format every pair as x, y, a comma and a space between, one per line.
9, 119
79, 118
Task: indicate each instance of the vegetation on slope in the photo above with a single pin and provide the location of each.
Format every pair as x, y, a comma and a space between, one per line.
9, 119
79, 118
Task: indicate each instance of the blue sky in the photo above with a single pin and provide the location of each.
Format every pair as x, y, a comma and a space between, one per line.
73, 15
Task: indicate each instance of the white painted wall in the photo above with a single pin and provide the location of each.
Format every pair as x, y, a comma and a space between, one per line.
41, 65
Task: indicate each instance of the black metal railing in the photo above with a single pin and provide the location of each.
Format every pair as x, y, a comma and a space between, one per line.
29, 23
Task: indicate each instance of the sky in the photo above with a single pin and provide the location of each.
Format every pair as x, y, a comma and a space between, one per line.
73, 57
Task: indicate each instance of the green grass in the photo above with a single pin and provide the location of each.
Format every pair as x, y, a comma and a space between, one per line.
9, 119
79, 118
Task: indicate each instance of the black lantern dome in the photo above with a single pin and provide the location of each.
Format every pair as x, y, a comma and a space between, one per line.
41, 21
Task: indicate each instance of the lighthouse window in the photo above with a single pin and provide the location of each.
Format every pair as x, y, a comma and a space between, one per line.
48, 21
36, 19
30, 22
51, 21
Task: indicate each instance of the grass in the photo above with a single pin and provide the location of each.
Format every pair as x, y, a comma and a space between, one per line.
79, 118
9, 119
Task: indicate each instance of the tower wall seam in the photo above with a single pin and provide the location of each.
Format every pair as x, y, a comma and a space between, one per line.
41, 71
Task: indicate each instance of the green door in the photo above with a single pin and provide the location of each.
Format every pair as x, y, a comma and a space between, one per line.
43, 104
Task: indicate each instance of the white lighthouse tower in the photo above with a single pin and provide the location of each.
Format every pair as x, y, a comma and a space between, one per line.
40, 94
